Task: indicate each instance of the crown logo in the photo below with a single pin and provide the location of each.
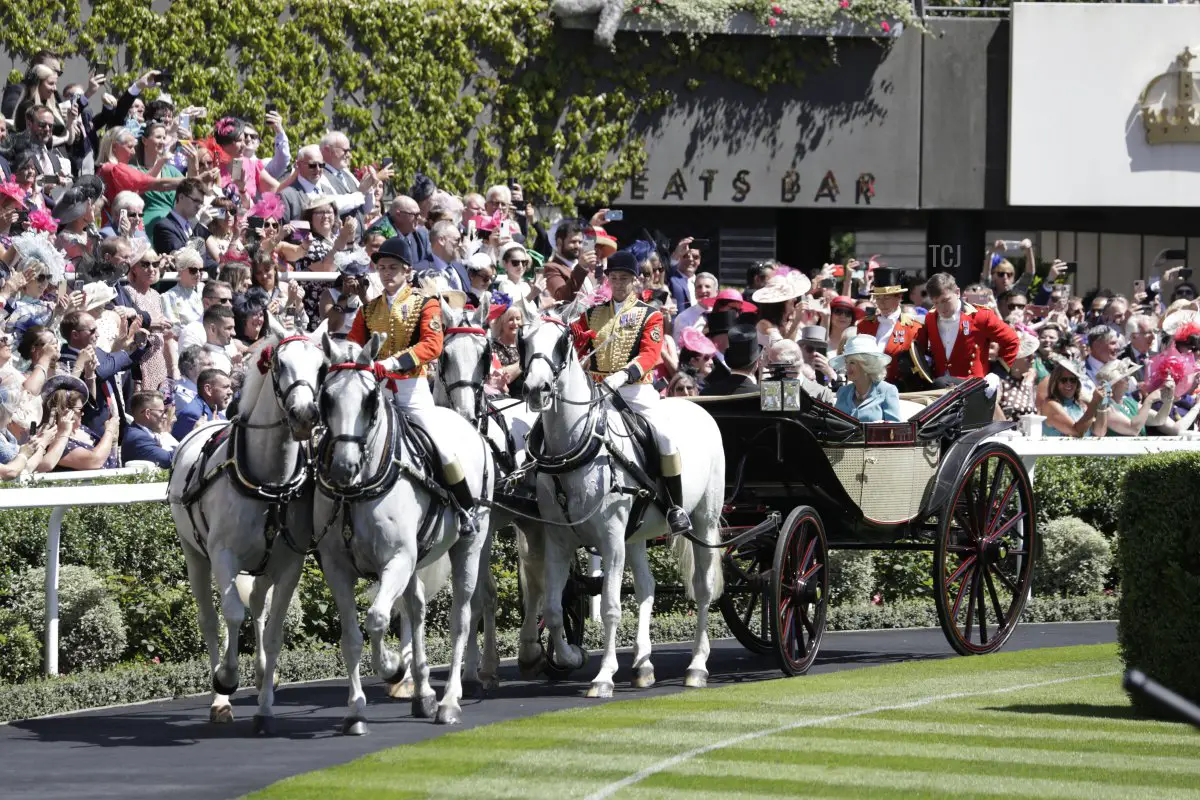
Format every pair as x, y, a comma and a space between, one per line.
1166, 123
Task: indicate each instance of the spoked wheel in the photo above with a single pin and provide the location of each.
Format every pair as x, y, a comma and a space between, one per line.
799, 590
745, 604
575, 612
983, 563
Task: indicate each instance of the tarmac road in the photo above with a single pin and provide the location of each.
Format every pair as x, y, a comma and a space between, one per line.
168, 748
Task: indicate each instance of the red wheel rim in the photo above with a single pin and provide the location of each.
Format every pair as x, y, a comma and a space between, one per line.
984, 562
800, 600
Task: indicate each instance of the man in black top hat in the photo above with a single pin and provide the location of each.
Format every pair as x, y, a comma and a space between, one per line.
741, 357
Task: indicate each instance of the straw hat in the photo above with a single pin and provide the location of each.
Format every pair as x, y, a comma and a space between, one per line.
1178, 320
97, 295
606, 245
1071, 366
861, 345
780, 289
436, 285
1029, 345
1117, 370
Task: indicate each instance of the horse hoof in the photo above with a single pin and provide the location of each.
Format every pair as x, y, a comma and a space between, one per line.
491, 683
425, 707
695, 678
221, 715
643, 677
600, 689
226, 689
264, 725
402, 690
395, 677
448, 715
474, 690
532, 668
354, 726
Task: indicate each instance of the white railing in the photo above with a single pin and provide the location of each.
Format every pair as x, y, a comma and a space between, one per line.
284, 277
59, 498
34, 494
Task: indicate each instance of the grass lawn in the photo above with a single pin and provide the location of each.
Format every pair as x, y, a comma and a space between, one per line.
1039, 724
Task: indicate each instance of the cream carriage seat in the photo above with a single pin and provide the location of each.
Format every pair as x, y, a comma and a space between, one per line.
909, 409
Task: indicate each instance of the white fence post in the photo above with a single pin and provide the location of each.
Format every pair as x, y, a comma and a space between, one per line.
53, 540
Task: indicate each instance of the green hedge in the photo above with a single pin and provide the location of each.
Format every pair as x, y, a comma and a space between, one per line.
1159, 560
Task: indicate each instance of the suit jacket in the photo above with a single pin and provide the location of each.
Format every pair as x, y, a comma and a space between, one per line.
677, 282
733, 384
882, 403
563, 282
109, 366
977, 329
345, 184
428, 266
189, 415
170, 235
140, 445
293, 203
5, 169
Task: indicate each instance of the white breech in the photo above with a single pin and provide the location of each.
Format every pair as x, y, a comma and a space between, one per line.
644, 398
412, 396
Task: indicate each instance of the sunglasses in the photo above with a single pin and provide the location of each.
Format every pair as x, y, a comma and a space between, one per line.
270, 224
520, 263
314, 164
1017, 305
1069, 379
193, 270
845, 311
1005, 273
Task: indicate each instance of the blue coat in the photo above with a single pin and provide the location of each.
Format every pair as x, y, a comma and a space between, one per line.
170, 235
108, 367
677, 282
882, 403
140, 445
189, 415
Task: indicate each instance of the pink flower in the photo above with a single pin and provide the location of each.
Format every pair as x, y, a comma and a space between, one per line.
885, 26
877, 600
845, 3
637, 9
155, 660
776, 9
772, 22
40, 220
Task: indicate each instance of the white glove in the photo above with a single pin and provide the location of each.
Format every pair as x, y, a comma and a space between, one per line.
391, 364
616, 380
993, 383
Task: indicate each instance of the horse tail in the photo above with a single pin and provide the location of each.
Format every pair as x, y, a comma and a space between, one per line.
684, 551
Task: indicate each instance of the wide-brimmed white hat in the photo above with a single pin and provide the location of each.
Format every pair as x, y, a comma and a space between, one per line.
862, 345
782, 288
97, 294
1117, 370
1071, 366
1177, 320
1029, 345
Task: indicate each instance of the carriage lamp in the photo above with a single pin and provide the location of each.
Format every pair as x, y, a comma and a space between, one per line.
780, 388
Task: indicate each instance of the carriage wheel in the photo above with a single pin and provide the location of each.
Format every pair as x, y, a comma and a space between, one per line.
799, 590
745, 604
983, 563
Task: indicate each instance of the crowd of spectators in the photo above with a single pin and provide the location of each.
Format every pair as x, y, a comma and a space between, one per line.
102, 362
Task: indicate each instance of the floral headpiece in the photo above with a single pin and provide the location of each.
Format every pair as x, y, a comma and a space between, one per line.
499, 303
269, 206
41, 220
9, 188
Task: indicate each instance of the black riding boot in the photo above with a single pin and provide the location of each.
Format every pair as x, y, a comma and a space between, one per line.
677, 518
466, 507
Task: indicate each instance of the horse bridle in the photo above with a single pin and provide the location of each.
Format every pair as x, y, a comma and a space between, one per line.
268, 362
481, 367
562, 351
379, 374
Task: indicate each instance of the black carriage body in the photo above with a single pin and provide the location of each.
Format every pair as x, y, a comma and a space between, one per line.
875, 485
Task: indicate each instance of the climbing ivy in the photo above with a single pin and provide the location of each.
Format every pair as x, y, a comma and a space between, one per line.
467, 92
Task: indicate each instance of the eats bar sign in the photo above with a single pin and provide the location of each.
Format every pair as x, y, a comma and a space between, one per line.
733, 186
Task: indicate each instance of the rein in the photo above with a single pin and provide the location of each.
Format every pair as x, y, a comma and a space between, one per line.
268, 360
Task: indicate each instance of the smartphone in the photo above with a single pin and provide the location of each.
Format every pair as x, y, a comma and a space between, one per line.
614, 215
271, 109
1185, 273
1037, 311
470, 229
1139, 286
699, 243
164, 79
1072, 268
236, 170
77, 285
589, 243
121, 218
1172, 255
48, 180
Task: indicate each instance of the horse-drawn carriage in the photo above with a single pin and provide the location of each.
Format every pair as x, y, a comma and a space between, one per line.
804, 478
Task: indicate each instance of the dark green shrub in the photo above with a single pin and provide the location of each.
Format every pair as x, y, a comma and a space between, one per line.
1075, 559
160, 619
852, 576
1160, 571
91, 633
904, 573
21, 648
1087, 488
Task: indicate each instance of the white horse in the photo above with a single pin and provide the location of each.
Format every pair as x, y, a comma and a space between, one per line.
580, 482
246, 506
370, 507
463, 370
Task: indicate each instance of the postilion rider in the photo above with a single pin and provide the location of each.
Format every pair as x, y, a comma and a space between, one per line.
624, 337
894, 331
412, 322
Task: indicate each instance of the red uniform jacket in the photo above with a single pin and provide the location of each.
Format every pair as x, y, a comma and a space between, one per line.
628, 337
977, 329
899, 341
